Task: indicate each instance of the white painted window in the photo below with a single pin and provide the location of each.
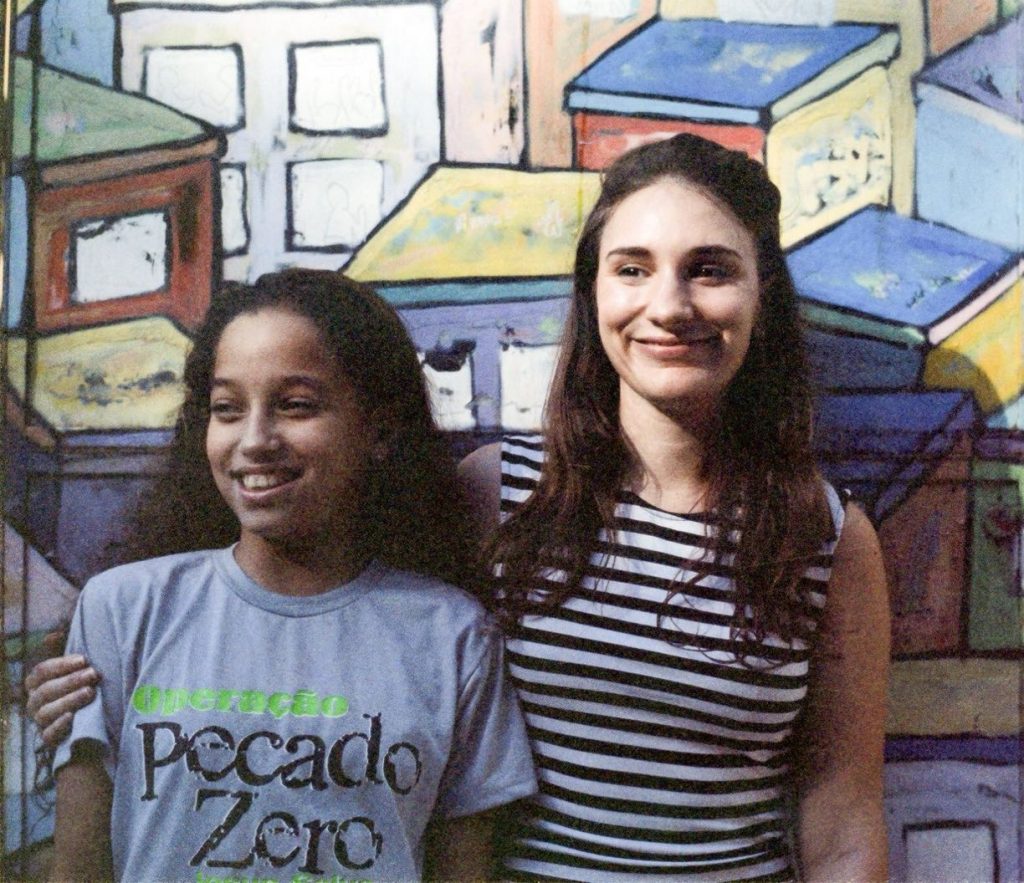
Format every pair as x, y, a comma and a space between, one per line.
334, 203
525, 375
790, 12
119, 257
933, 851
599, 8
339, 88
204, 82
451, 396
234, 228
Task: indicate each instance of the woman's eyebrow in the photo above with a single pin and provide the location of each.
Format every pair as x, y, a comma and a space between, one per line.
716, 251
629, 251
702, 251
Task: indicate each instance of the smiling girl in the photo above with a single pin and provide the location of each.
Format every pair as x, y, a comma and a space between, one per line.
312, 701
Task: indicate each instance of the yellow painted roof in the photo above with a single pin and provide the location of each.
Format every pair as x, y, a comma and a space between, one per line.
481, 223
122, 376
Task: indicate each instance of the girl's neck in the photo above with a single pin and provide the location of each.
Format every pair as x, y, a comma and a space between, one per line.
299, 570
670, 450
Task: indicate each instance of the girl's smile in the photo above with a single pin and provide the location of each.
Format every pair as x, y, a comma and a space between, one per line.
287, 442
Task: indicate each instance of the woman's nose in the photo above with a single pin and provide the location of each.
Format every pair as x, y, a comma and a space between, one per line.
671, 300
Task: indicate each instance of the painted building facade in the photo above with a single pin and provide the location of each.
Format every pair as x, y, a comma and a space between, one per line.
447, 152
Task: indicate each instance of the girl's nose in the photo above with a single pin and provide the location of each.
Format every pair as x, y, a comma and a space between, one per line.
259, 433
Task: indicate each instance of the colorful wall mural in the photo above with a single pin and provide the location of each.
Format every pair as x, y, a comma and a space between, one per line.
447, 151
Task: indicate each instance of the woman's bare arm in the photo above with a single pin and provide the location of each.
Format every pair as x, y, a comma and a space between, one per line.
81, 836
841, 827
480, 477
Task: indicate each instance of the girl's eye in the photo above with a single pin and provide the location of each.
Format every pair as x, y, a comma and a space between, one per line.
299, 407
224, 410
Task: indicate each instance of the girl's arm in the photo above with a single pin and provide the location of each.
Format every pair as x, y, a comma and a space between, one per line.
841, 828
459, 849
81, 836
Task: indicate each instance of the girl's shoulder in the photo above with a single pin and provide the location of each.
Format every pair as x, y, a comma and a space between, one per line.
139, 578
427, 605
419, 593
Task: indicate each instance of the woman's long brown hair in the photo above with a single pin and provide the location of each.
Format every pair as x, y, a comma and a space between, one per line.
760, 470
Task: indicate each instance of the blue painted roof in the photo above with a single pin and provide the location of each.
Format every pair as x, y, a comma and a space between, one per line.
889, 423
738, 64
879, 445
893, 268
988, 69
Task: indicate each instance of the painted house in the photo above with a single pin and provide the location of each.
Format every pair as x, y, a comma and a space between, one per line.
561, 39
106, 398
344, 123
117, 180
894, 302
970, 137
906, 457
950, 24
813, 103
483, 80
478, 263
996, 603
36, 599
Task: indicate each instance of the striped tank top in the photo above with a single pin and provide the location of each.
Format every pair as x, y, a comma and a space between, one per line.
659, 755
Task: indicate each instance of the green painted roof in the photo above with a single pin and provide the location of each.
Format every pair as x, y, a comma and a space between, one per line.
77, 118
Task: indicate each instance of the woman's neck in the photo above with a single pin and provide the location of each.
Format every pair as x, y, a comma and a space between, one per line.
300, 570
671, 449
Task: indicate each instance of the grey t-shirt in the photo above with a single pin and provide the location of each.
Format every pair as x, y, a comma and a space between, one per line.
255, 735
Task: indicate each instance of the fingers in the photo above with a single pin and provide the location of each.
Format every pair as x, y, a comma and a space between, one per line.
57, 688
49, 669
58, 731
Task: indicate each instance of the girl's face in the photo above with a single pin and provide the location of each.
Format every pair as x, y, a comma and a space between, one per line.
287, 442
677, 297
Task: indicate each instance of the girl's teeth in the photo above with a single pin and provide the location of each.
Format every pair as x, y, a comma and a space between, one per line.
262, 482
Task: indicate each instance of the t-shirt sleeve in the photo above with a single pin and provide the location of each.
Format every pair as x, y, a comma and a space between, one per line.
93, 634
490, 763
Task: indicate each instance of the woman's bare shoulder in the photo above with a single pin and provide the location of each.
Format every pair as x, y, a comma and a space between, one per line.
480, 478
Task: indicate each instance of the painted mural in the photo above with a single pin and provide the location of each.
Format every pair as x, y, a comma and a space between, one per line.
447, 151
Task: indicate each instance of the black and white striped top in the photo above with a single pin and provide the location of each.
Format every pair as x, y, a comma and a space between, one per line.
660, 756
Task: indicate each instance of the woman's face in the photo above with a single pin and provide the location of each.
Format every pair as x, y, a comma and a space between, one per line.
677, 297
287, 442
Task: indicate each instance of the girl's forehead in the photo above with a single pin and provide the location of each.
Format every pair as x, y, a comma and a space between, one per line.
272, 340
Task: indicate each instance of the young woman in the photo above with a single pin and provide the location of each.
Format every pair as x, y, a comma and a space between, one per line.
697, 625
313, 701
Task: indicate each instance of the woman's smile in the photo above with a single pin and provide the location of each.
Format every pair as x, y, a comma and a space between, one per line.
677, 296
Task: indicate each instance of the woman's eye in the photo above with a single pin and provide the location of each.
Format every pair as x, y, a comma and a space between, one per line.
631, 271
714, 272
